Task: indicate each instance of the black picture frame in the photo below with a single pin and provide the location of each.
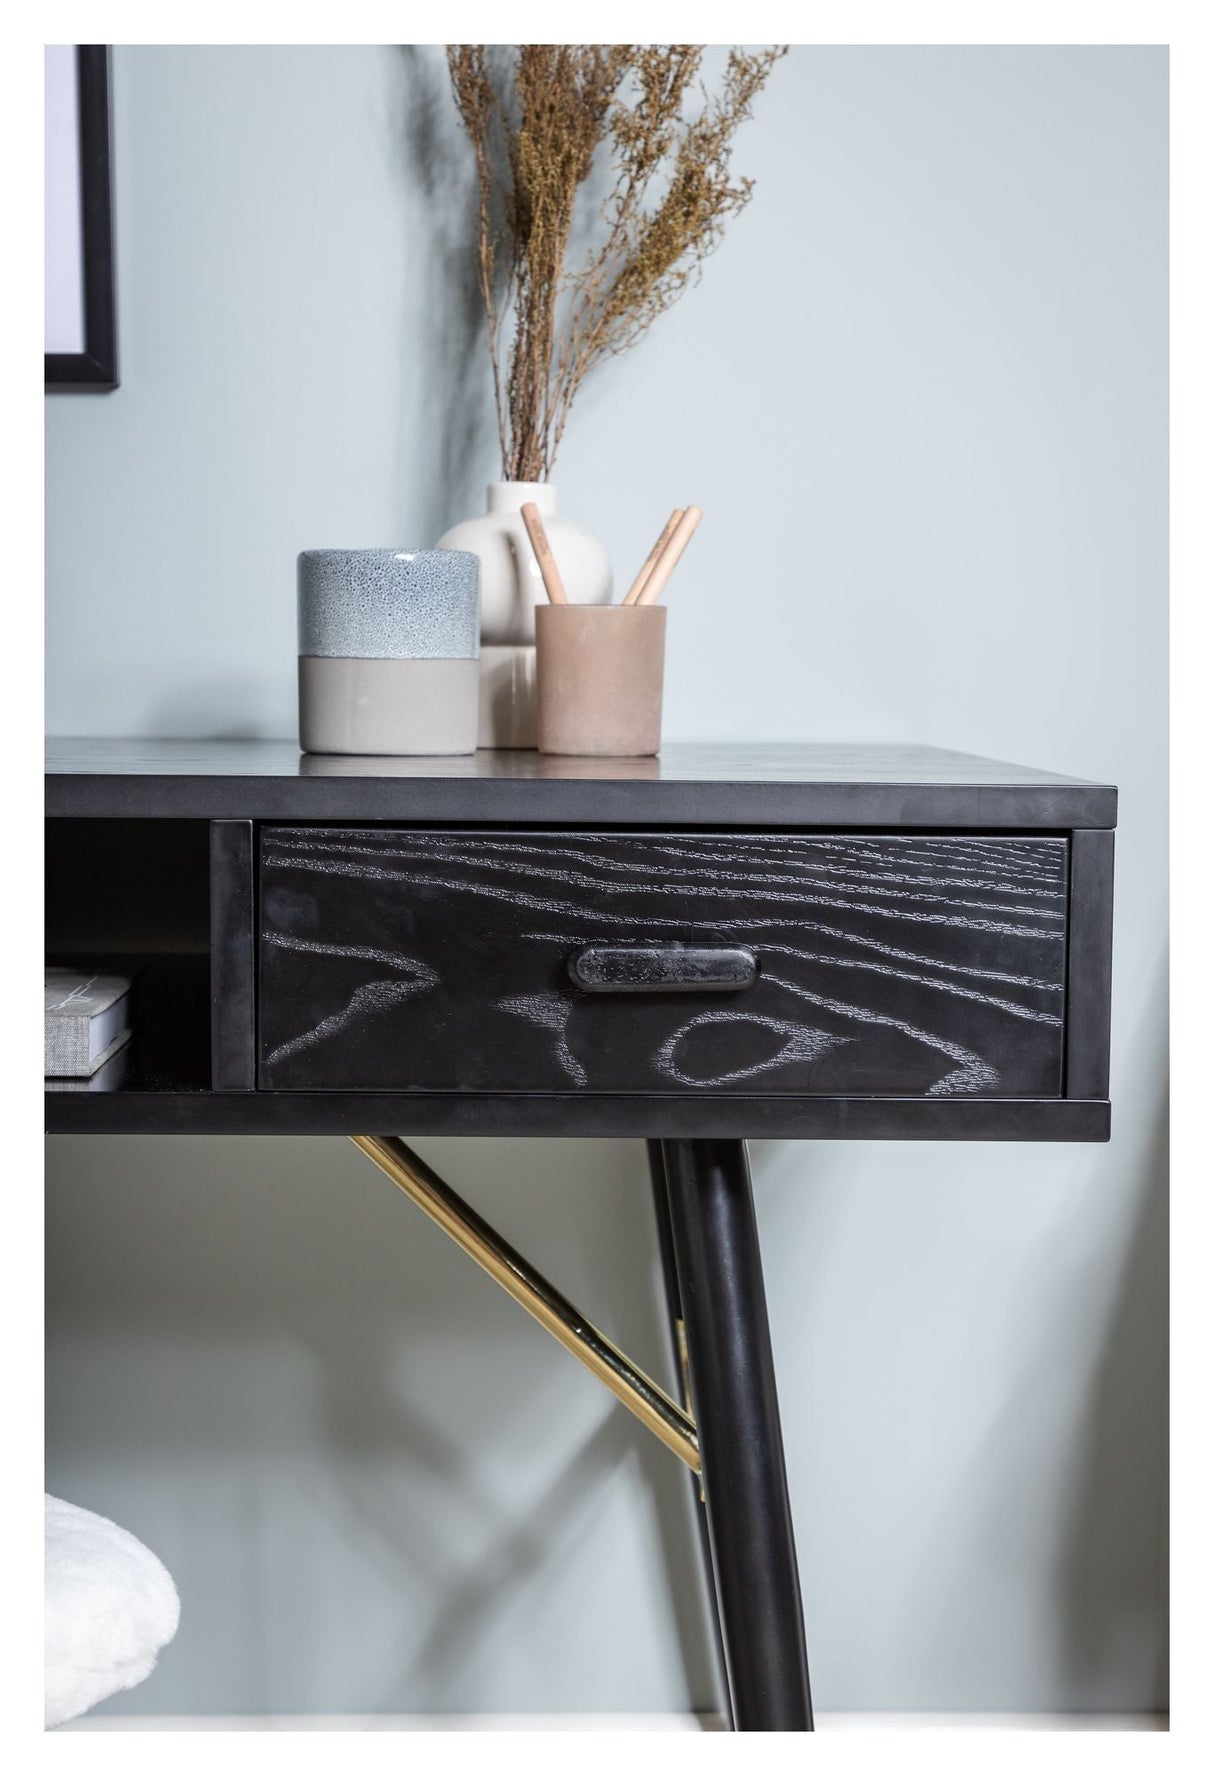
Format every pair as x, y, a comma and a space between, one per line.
95, 369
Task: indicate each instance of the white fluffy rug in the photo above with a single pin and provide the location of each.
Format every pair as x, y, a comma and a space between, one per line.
110, 1607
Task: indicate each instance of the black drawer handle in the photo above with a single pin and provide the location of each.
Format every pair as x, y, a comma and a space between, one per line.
663, 968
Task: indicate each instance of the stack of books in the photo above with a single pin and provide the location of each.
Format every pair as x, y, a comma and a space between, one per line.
88, 1024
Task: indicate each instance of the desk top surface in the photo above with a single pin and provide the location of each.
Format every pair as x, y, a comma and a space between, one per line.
712, 787
815, 783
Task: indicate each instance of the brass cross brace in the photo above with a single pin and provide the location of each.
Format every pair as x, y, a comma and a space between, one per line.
654, 1407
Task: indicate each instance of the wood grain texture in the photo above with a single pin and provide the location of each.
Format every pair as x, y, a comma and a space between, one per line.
399, 960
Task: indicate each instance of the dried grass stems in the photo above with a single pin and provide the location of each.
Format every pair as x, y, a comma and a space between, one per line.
541, 118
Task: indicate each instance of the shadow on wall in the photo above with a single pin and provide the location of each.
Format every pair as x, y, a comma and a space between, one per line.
370, 1428
1110, 1572
446, 392
310, 1404
1113, 1570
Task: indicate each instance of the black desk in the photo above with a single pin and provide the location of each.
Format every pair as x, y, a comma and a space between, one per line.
819, 942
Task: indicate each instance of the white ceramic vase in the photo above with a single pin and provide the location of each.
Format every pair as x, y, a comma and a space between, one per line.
511, 586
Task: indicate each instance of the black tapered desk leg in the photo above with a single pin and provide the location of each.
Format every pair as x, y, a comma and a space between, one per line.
678, 1346
733, 1386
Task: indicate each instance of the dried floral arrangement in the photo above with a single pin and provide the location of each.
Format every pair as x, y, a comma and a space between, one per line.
544, 118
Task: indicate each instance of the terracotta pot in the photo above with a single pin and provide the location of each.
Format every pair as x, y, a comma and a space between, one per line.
599, 678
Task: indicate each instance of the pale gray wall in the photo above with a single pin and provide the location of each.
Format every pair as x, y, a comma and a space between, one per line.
921, 395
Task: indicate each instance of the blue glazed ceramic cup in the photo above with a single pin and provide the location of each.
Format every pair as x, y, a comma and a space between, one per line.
388, 645
389, 604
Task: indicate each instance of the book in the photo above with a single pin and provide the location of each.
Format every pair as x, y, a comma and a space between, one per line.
87, 1020
112, 1067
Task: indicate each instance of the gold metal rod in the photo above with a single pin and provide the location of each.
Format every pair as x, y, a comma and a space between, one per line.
643, 1397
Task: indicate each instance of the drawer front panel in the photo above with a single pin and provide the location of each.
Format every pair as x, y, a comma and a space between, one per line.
398, 960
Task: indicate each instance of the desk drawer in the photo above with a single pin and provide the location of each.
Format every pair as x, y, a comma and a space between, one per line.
769, 963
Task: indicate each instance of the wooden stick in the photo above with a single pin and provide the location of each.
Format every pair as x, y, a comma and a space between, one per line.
553, 584
654, 555
683, 532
